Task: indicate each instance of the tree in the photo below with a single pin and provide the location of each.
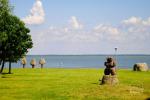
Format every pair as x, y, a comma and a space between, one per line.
4, 8
42, 62
23, 61
15, 40
33, 63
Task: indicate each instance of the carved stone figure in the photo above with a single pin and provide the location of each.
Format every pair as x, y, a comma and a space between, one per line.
110, 76
110, 66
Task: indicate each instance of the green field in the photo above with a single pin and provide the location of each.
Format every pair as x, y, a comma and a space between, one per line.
72, 84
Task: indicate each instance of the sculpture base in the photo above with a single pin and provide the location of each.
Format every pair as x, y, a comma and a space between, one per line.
110, 80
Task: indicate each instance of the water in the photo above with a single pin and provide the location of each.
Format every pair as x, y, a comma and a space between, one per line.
84, 61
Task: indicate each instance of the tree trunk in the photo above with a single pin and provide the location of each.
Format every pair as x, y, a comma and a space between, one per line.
33, 66
9, 67
41, 65
0, 62
3, 63
23, 65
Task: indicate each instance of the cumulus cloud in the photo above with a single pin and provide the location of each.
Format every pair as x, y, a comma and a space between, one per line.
137, 21
132, 30
37, 15
102, 35
106, 29
64, 34
147, 22
132, 21
75, 24
137, 25
77, 34
107, 32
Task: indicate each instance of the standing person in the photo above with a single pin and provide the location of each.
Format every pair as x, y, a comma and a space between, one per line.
110, 66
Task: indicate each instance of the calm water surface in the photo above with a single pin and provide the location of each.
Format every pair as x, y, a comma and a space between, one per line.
78, 61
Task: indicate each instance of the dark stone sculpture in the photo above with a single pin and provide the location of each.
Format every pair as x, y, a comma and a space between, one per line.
110, 76
110, 66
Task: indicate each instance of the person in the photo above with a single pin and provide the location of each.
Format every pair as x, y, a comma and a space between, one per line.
110, 66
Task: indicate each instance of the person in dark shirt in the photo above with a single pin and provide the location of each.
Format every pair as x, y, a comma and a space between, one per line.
110, 66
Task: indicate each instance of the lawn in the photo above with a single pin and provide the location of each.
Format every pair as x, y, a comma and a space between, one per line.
72, 84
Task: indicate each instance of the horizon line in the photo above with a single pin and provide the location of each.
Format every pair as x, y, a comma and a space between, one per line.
79, 54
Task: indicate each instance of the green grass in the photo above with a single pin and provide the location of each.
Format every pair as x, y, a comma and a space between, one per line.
72, 84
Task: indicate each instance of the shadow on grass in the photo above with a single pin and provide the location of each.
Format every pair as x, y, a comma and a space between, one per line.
3, 75
94, 83
148, 98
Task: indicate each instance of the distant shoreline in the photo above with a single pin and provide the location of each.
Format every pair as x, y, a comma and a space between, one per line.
38, 67
101, 68
88, 61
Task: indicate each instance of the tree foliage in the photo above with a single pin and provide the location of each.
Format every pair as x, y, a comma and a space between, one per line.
14, 38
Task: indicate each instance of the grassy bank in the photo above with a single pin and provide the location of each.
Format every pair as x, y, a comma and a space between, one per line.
74, 84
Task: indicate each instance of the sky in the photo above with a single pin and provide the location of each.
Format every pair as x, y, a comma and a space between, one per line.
86, 26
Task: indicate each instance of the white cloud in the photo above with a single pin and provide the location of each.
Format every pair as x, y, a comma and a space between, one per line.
107, 29
147, 22
132, 21
137, 25
104, 37
107, 32
37, 15
136, 21
75, 24
99, 33
75, 34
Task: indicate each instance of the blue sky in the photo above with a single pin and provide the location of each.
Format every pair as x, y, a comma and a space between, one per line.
86, 26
